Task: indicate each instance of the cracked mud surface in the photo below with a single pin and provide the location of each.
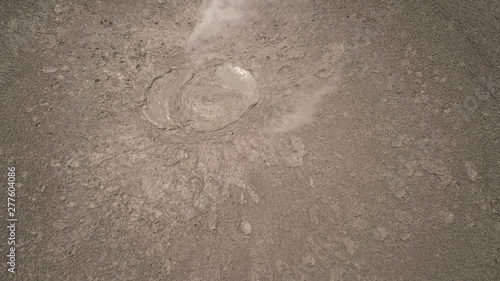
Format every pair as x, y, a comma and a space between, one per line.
366, 146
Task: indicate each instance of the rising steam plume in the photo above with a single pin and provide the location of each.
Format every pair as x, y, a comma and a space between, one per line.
216, 15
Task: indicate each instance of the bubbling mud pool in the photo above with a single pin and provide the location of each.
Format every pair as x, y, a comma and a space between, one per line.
203, 98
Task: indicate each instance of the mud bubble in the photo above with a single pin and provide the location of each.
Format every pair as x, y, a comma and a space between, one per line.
203, 98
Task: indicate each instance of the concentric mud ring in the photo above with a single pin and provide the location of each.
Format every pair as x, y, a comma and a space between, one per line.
204, 99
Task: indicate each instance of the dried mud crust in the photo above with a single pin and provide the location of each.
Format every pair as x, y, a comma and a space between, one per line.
8, 69
335, 165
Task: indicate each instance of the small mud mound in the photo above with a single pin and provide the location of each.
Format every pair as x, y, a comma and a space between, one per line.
203, 98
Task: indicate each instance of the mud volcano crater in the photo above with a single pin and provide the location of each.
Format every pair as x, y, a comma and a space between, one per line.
204, 98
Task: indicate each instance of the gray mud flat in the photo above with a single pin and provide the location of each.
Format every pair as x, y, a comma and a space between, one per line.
251, 140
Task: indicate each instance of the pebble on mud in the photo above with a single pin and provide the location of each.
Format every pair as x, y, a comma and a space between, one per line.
382, 232
59, 9
309, 260
471, 171
49, 69
246, 227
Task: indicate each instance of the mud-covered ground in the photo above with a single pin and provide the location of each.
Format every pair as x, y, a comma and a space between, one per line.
370, 151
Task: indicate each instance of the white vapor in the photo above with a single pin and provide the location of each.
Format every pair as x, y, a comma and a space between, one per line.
304, 111
215, 16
